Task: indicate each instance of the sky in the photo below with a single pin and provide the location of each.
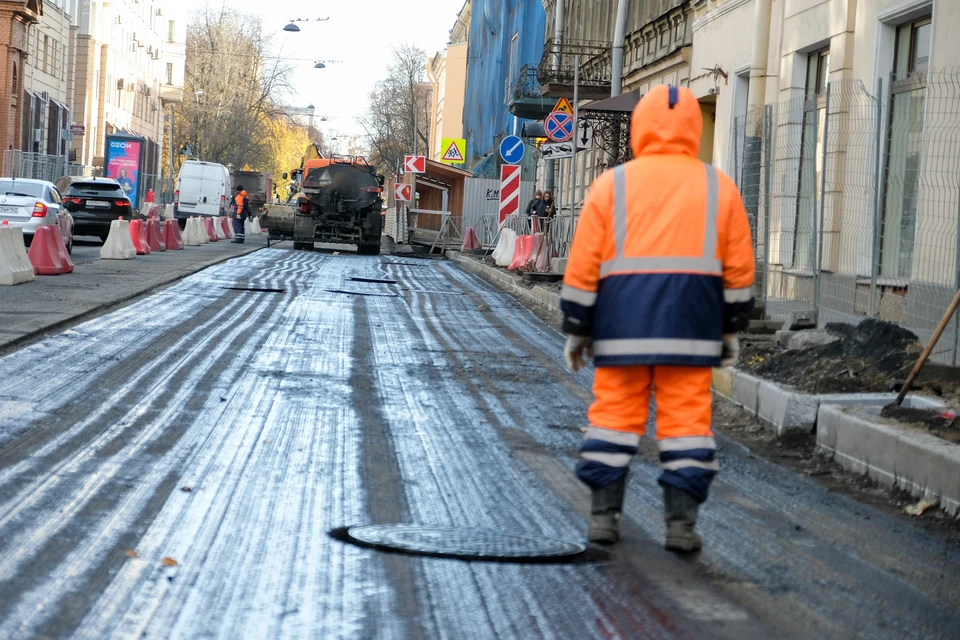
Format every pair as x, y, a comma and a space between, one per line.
358, 35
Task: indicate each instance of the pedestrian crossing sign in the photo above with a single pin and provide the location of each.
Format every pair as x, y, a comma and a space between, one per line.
454, 150
564, 106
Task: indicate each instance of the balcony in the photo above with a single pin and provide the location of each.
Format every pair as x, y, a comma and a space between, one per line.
171, 94
557, 68
526, 98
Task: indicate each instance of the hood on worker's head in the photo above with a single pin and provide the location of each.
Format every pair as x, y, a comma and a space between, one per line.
243, 194
667, 121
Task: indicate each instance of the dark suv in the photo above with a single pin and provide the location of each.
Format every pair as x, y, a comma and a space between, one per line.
94, 203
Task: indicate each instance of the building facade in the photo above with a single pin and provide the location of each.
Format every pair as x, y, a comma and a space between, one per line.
129, 67
447, 73
16, 20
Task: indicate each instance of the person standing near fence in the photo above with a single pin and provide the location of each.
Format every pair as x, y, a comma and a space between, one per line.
240, 212
546, 209
659, 281
531, 210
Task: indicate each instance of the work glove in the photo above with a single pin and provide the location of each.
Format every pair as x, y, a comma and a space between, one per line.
574, 350
731, 350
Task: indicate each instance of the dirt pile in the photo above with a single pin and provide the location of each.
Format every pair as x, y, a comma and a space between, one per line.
869, 357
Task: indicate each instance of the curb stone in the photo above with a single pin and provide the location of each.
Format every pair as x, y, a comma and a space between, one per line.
538, 296
893, 455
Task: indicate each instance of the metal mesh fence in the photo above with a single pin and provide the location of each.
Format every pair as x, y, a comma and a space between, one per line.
853, 198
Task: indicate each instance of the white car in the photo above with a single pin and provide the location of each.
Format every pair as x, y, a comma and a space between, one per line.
32, 203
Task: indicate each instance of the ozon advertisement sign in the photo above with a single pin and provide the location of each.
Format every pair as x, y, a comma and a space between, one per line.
123, 162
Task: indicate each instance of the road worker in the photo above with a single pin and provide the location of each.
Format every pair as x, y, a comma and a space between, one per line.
240, 211
659, 281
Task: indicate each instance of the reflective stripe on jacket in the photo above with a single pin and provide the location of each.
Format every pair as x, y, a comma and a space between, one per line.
662, 261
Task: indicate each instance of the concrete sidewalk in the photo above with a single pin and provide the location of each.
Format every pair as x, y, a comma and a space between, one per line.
51, 302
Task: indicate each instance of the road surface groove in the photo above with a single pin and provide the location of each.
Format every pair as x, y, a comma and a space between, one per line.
435, 400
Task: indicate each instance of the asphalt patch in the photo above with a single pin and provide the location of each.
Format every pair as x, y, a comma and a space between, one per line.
373, 280
361, 293
254, 289
469, 545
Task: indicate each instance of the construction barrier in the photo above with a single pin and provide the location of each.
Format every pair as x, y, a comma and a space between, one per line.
503, 254
154, 239
211, 231
225, 228
229, 229
247, 227
119, 245
218, 228
192, 235
138, 235
540, 256
521, 253
15, 267
48, 253
255, 227
471, 241
202, 231
168, 212
171, 235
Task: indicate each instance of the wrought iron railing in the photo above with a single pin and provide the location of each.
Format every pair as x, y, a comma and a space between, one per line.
559, 61
526, 85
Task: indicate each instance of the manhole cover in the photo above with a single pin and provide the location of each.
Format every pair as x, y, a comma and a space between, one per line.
461, 543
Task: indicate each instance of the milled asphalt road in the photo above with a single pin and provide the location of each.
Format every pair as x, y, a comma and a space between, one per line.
230, 431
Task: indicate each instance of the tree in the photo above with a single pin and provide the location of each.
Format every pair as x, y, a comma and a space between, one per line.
398, 116
234, 89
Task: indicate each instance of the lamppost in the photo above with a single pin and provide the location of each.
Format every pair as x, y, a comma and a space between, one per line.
293, 28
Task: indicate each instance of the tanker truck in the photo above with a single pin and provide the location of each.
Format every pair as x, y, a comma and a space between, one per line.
339, 201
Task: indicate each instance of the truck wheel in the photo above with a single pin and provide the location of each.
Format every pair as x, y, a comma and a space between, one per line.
368, 249
302, 246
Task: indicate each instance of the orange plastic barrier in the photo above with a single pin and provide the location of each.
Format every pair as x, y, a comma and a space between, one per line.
171, 235
211, 232
471, 241
521, 254
138, 233
48, 253
153, 236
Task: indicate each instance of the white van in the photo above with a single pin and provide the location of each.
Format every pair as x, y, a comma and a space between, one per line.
203, 188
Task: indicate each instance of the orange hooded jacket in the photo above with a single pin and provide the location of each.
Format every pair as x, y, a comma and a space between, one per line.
662, 262
241, 206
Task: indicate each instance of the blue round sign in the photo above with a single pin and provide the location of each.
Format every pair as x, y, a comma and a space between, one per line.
559, 126
512, 149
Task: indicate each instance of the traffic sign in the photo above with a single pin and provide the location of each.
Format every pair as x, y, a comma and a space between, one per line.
559, 126
415, 164
511, 149
564, 106
585, 133
509, 190
556, 150
454, 150
403, 192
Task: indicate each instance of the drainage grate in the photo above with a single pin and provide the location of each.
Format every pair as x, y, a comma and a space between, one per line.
373, 280
255, 289
465, 544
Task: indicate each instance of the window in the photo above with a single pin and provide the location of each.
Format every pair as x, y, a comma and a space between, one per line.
169, 76
45, 60
904, 145
171, 31
809, 192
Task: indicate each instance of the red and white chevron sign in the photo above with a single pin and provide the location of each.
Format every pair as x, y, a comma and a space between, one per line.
509, 190
415, 164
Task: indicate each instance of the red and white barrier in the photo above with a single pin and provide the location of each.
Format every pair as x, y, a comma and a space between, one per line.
521, 253
503, 254
15, 267
48, 253
171, 235
471, 241
138, 235
211, 230
153, 236
119, 245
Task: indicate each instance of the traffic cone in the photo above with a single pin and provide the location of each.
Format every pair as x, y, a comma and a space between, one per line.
210, 229
471, 241
138, 235
47, 252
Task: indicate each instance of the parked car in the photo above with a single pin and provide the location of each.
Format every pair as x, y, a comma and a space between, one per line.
203, 188
94, 203
30, 204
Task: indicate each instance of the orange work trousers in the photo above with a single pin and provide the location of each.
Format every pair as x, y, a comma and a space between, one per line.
683, 400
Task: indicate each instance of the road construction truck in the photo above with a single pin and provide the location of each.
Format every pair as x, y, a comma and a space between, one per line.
339, 201
257, 184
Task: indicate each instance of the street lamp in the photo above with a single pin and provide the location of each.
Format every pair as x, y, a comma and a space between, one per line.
293, 28
322, 64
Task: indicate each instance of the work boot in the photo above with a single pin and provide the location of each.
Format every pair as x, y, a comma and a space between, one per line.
606, 505
680, 509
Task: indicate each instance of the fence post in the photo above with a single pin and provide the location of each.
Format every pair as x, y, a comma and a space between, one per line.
956, 282
878, 196
823, 201
767, 167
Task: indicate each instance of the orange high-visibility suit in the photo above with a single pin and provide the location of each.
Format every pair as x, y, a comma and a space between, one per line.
660, 269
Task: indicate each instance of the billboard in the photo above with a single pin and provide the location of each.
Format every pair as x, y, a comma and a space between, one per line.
122, 161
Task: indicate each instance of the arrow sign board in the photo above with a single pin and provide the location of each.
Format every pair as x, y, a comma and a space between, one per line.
512, 150
585, 133
415, 164
403, 192
556, 150
559, 126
